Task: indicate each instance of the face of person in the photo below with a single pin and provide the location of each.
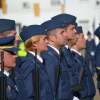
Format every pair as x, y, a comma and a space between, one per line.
89, 36
12, 33
70, 32
9, 60
81, 42
74, 41
41, 45
60, 38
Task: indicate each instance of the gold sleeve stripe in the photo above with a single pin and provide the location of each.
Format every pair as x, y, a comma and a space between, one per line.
98, 67
5, 47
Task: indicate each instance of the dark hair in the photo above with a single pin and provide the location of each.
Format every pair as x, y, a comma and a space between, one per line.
51, 32
66, 26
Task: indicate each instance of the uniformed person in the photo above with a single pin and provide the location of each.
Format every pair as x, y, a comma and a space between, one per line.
12, 92
7, 28
56, 39
88, 91
90, 52
70, 24
21, 53
34, 37
97, 57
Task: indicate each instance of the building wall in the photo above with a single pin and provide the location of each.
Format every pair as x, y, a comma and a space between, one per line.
86, 12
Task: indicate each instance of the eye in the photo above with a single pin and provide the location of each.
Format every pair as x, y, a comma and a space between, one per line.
45, 38
62, 32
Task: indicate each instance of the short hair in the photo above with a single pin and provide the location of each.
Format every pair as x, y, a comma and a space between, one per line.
5, 33
66, 26
28, 43
51, 32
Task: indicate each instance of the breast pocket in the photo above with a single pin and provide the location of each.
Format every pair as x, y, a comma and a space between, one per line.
12, 94
45, 88
64, 86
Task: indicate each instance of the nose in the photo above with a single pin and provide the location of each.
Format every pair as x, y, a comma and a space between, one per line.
77, 36
46, 41
75, 31
85, 39
64, 34
15, 56
17, 38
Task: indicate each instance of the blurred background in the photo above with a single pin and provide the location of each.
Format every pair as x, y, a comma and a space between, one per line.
27, 12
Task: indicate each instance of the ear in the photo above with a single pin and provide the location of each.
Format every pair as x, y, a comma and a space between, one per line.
52, 38
34, 44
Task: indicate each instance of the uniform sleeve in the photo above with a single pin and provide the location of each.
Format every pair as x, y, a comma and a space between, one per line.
97, 58
94, 45
50, 67
27, 68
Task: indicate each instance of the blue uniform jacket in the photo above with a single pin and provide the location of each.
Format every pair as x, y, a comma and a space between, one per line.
27, 68
20, 83
70, 64
51, 59
12, 92
90, 46
97, 59
87, 80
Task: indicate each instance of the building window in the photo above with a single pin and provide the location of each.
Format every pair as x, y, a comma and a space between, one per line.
55, 2
26, 5
98, 3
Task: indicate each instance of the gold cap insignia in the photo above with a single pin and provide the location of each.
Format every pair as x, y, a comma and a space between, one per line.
9, 88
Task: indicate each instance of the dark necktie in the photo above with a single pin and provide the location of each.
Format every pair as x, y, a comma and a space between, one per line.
70, 53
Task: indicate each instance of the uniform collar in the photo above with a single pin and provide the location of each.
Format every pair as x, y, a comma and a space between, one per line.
5, 72
66, 46
76, 52
89, 39
54, 48
38, 57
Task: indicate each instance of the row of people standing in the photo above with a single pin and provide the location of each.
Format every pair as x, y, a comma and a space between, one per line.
53, 41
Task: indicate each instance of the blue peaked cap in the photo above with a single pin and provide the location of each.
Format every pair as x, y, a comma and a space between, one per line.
88, 33
7, 25
79, 29
97, 32
44, 24
52, 24
32, 30
13, 49
6, 43
65, 19
7, 40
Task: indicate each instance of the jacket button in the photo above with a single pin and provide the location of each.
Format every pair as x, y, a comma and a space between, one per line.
15, 78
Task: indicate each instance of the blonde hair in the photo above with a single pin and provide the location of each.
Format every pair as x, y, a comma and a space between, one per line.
28, 43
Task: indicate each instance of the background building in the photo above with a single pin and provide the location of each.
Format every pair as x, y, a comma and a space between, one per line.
26, 12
